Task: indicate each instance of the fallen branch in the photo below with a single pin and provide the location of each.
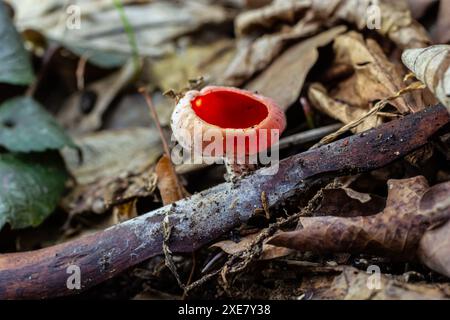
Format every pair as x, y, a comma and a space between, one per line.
203, 217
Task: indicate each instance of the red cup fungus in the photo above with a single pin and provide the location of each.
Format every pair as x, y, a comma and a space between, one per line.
227, 122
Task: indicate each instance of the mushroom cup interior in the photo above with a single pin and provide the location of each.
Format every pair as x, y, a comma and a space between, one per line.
228, 109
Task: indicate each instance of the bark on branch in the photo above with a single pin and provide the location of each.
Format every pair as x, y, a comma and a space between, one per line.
205, 216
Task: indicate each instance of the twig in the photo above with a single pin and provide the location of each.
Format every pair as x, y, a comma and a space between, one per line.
205, 216
166, 148
307, 136
81, 67
42, 72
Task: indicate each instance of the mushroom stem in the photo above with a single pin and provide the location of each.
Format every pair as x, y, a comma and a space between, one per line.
237, 169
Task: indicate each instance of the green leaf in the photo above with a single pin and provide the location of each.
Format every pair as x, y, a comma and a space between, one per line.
30, 187
15, 64
26, 126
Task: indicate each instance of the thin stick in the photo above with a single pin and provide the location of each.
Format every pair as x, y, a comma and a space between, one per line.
81, 67
166, 148
45, 62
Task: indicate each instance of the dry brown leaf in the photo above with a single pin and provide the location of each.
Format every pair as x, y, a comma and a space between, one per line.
396, 22
268, 251
279, 11
434, 249
99, 196
431, 66
174, 71
353, 284
442, 32
115, 166
346, 202
395, 232
375, 77
419, 7
112, 153
339, 110
284, 78
169, 185
254, 55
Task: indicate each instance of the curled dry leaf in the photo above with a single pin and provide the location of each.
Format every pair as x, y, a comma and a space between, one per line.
284, 78
394, 232
431, 66
340, 110
169, 184
253, 55
268, 251
353, 284
374, 78
395, 21
434, 249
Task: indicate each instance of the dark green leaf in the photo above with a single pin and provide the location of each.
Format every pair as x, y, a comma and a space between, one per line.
30, 187
15, 65
26, 126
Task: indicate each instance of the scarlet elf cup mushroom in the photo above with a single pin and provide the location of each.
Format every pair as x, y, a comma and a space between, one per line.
229, 123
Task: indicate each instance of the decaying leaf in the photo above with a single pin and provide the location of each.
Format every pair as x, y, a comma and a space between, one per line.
442, 31
396, 231
101, 195
169, 184
434, 249
374, 78
346, 202
339, 110
353, 284
112, 153
268, 251
419, 7
253, 55
208, 60
431, 66
284, 78
395, 20
115, 166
